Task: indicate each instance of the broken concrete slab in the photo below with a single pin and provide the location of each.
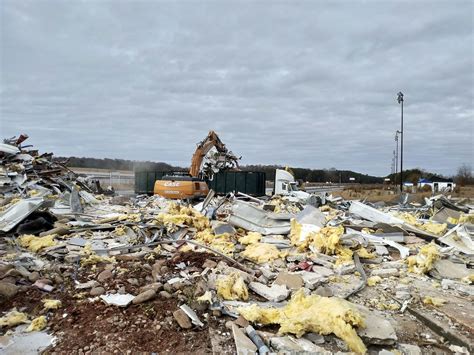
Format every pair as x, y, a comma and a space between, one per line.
381, 250
463, 289
446, 269
26, 343
292, 345
243, 344
275, 293
378, 330
313, 279
292, 281
408, 349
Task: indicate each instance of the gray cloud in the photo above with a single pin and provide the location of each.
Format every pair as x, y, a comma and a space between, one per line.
303, 83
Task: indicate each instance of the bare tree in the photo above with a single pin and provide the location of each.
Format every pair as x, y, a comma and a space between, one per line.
464, 175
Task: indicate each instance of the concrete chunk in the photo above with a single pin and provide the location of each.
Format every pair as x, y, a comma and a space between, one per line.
312, 279
275, 293
408, 349
381, 250
378, 330
292, 281
293, 345
446, 269
243, 344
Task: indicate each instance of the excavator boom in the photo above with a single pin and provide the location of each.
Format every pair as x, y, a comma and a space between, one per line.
222, 155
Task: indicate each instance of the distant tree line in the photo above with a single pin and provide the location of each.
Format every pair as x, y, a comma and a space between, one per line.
318, 175
414, 175
116, 164
463, 176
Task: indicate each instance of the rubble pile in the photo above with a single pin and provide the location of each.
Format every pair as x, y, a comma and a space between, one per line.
87, 273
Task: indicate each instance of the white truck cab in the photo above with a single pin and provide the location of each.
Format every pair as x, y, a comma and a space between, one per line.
286, 185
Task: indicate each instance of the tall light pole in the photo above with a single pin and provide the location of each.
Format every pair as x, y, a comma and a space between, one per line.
400, 102
396, 155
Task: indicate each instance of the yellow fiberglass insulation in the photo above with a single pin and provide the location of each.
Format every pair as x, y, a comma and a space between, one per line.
221, 242
232, 287
51, 304
434, 301
301, 234
119, 231
423, 261
37, 324
327, 240
373, 280
250, 238
13, 318
305, 314
466, 218
92, 258
468, 279
188, 216
261, 253
409, 218
364, 254
434, 228
35, 244
295, 233
431, 227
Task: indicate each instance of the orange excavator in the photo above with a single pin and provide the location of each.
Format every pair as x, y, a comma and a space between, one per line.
210, 157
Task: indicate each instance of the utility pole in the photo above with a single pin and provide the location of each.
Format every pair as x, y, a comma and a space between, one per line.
393, 165
396, 155
400, 102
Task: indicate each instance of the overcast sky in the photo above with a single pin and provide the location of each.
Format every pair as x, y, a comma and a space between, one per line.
300, 83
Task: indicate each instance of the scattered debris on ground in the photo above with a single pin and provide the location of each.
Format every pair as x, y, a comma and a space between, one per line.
232, 274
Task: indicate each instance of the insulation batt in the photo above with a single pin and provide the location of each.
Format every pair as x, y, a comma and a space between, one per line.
261, 253
35, 244
232, 287
304, 314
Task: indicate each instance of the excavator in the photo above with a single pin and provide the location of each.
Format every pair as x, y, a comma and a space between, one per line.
210, 157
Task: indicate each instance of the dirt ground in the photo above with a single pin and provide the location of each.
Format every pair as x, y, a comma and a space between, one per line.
85, 326
88, 327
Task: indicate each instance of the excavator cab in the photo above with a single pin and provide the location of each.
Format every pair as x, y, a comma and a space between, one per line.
180, 187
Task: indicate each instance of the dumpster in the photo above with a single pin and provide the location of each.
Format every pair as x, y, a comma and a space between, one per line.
249, 182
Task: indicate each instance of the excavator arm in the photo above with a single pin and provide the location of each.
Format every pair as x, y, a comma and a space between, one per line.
211, 141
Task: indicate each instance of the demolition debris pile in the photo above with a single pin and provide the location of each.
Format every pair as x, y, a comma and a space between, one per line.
82, 272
